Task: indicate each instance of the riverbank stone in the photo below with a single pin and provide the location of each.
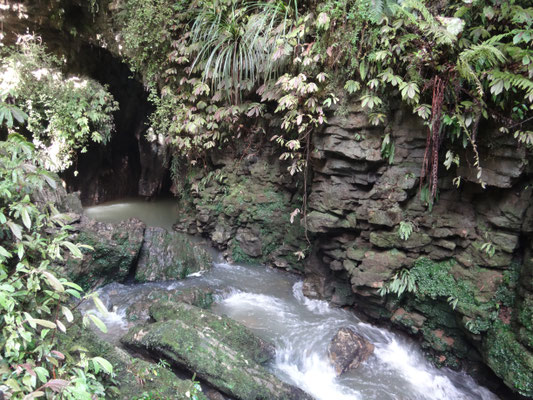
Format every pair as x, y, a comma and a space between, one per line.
133, 377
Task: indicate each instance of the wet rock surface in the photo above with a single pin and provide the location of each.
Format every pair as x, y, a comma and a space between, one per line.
348, 350
117, 252
199, 297
114, 251
133, 376
246, 210
169, 255
220, 351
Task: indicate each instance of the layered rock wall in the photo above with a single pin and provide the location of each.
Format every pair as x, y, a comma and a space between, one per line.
464, 255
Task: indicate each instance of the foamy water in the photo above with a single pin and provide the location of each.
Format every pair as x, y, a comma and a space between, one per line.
271, 303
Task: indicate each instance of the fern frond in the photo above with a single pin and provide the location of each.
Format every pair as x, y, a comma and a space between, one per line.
509, 80
378, 9
481, 56
418, 14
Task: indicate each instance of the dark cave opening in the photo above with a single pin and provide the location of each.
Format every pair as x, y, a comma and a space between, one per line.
127, 166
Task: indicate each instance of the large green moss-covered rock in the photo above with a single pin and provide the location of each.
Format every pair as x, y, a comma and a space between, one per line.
220, 351
169, 255
134, 378
114, 251
196, 296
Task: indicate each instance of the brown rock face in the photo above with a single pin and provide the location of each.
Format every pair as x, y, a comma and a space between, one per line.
348, 350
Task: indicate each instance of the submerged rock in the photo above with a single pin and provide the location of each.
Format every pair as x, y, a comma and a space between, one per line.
220, 351
169, 255
348, 350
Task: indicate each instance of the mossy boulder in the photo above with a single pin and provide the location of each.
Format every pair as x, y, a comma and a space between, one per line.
114, 251
220, 351
134, 378
236, 335
196, 296
169, 255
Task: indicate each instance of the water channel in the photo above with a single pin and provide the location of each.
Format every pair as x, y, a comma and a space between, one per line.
271, 303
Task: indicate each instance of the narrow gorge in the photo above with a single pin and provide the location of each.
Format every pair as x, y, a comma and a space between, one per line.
227, 199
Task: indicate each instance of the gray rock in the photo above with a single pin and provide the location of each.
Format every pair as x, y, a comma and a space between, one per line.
115, 249
321, 222
347, 350
250, 242
169, 255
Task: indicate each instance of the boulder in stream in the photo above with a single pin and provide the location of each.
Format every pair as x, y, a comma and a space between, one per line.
197, 296
115, 248
348, 350
169, 255
220, 351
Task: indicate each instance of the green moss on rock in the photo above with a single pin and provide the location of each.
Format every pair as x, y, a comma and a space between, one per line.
509, 359
133, 377
215, 348
114, 249
169, 255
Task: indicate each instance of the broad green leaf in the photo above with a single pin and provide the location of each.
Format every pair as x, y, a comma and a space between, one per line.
60, 325
5, 253
73, 249
98, 322
42, 373
34, 395
30, 320
13, 384
106, 365
25, 217
53, 282
15, 229
67, 313
73, 285
99, 305
45, 323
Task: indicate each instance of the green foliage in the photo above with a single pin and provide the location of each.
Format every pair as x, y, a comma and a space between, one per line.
35, 304
213, 69
509, 359
64, 114
405, 229
400, 283
239, 42
387, 148
478, 52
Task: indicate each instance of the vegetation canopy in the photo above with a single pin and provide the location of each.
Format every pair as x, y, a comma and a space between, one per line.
458, 65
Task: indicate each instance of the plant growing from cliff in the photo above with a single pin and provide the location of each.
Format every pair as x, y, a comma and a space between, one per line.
453, 64
387, 148
402, 282
405, 229
64, 114
489, 248
239, 42
35, 303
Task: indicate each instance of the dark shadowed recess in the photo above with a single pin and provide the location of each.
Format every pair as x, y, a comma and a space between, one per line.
128, 165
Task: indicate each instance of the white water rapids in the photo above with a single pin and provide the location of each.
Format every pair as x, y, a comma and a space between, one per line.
271, 304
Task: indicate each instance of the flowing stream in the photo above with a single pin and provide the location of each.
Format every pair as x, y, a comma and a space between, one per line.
271, 304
